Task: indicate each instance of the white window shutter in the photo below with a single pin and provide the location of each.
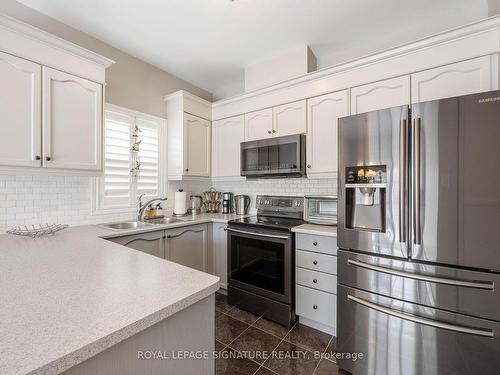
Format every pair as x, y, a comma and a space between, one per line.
148, 182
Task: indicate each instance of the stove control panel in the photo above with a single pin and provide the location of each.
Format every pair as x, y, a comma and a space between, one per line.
279, 203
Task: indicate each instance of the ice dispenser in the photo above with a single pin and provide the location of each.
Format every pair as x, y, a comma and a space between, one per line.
365, 197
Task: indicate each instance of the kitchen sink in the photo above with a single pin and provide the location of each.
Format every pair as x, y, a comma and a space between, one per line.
165, 220
127, 225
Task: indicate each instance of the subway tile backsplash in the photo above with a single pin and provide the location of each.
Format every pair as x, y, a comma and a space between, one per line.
34, 199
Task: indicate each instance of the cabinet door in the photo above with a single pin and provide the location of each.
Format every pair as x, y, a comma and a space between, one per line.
323, 113
20, 109
290, 119
72, 122
219, 249
259, 124
227, 135
152, 243
465, 77
188, 246
196, 146
379, 95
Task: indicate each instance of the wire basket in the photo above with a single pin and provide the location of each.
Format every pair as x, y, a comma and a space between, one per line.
37, 230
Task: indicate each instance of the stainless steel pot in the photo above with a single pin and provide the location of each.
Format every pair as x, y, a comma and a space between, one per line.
241, 203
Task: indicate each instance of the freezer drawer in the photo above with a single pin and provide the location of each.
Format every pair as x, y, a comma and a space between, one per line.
467, 292
402, 338
316, 305
316, 280
316, 262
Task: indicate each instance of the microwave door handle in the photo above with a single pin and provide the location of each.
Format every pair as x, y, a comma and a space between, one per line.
403, 179
417, 144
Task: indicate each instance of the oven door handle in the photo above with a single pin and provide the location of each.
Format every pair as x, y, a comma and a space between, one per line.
257, 234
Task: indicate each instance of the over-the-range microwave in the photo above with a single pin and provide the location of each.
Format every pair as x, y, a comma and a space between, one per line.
274, 157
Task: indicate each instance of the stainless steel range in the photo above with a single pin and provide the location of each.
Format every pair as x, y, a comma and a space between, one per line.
261, 258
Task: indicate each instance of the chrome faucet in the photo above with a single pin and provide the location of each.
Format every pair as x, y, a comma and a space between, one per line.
141, 207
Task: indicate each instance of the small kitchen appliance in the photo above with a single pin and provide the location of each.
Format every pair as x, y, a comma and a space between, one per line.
196, 203
227, 203
320, 209
242, 202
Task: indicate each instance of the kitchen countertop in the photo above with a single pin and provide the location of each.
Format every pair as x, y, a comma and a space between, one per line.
320, 230
67, 297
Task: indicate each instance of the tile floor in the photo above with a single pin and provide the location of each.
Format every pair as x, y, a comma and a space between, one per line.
249, 344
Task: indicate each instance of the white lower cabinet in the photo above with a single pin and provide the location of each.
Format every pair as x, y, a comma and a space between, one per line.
316, 281
188, 246
219, 252
152, 243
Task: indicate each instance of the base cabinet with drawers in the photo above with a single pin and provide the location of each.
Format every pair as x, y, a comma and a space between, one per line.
316, 281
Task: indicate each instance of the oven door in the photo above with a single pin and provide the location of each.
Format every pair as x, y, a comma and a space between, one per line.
260, 262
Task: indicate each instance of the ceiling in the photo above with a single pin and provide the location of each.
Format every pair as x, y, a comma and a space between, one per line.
209, 42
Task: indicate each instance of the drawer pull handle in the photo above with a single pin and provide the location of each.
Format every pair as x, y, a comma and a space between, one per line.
315, 307
315, 243
315, 281
315, 262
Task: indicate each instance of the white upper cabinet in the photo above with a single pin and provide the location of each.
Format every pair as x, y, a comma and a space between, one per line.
20, 109
379, 95
72, 122
227, 135
462, 78
259, 125
197, 146
289, 119
322, 119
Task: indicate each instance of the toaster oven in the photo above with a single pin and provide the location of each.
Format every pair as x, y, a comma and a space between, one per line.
320, 209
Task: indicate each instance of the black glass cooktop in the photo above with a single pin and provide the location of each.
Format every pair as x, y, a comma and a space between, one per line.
268, 222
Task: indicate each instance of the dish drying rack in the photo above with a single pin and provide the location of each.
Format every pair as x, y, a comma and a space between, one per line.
37, 230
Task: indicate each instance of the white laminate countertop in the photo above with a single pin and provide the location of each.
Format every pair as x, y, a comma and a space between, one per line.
319, 230
67, 297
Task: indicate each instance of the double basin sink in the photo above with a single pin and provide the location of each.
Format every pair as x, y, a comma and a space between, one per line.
141, 224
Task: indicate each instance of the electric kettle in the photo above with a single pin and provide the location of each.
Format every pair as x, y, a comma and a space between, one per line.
241, 203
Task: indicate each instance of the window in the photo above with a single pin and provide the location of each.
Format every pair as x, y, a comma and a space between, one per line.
118, 188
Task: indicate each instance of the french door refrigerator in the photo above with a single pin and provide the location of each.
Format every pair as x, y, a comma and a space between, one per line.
419, 238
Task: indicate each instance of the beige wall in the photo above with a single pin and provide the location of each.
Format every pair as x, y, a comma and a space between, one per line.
131, 83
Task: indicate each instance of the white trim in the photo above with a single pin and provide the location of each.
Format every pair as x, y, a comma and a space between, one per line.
162, 163
187, 95
44, 37
319, 326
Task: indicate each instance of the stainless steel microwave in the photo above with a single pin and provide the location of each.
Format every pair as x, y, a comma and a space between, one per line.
320, 209
274, 157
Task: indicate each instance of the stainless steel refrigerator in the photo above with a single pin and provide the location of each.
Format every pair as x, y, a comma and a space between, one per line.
419, 238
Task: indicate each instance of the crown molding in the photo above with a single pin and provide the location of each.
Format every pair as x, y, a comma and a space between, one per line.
14, 25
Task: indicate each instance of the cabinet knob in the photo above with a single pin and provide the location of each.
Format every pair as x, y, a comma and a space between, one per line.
37, 157
315, 243
315, 262
269, 132
187, 169
315, 281
48, 158
308, 165
274, 131
315, 307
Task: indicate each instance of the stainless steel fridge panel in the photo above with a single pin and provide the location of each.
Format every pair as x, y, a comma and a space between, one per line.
402, 338
467, 292
455, 215
374, 139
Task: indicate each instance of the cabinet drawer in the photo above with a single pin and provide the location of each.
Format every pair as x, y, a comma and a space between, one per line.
316, 305
316, 262
320, 244
316, 280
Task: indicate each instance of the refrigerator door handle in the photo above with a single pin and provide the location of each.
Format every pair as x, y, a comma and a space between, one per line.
403, 179
417, 230
426, 321
489, 285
